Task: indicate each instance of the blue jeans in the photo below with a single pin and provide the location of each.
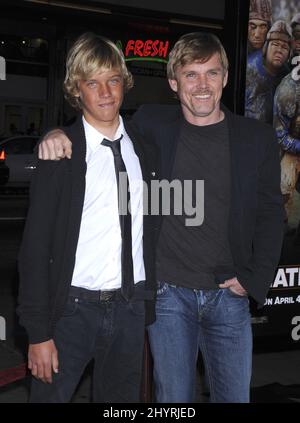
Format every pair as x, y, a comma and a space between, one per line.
215, 321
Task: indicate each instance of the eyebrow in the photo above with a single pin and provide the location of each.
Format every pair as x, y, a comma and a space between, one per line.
112, 76
211, 69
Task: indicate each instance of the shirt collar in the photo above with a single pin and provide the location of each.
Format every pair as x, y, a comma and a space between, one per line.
95, 137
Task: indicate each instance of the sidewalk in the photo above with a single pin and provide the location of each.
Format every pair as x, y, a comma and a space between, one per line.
276, 379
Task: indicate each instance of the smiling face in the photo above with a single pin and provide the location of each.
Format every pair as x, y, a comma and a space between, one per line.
101, 97
199, 87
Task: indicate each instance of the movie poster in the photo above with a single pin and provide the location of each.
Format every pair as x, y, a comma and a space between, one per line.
273, 96
273, 87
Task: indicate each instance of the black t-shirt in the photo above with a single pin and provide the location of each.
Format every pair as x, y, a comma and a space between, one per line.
188, 255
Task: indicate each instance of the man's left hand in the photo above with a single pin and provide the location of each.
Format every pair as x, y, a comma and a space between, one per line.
234, 285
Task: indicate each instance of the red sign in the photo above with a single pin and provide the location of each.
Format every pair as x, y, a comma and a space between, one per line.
147, 48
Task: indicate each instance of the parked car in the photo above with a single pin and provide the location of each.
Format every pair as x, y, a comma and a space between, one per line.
20, 158
4, 170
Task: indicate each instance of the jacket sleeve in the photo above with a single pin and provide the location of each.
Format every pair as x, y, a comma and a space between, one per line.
257, 276
35, 251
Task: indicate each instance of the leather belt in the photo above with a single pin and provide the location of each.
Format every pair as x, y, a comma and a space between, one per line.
86, 294
97, 296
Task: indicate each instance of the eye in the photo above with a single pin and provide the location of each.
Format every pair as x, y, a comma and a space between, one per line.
191, 75
213, 73
91, 84
115, 81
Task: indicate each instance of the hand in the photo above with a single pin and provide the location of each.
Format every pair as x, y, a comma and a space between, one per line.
55, 146
42, 359
234, 285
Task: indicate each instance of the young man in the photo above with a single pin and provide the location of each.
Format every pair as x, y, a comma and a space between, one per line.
206, 273
260, 17
85, 268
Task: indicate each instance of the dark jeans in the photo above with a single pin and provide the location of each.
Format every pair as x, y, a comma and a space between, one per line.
111, 333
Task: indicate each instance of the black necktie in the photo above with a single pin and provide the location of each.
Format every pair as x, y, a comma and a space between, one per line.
125, 218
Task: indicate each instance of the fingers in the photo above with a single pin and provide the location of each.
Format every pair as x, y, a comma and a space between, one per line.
55, 146
46, 373
68, 149
42, 358
234, 285
226, 284
41, 371
46, 150
55, 363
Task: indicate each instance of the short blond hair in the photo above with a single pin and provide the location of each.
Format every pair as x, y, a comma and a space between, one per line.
196, 46
92, 54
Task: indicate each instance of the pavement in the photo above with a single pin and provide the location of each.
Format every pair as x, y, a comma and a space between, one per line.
276, 378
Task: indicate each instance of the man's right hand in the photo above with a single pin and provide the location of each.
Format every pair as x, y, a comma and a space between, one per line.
42, 359
55, 146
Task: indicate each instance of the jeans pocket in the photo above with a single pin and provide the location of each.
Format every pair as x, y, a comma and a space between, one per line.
137, 307
234, 295
71, 307
162, 287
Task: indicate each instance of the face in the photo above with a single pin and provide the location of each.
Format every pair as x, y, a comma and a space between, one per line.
199, 87
101, 97
277, 54
296, 43
257, 32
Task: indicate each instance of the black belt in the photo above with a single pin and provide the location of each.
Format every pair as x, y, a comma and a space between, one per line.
89, 295
115, 294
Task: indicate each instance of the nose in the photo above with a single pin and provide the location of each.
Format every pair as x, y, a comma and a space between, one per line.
257, 33
202, 80
104, 90
280, 49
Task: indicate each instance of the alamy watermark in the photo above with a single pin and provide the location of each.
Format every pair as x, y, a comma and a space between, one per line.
2, 329
179, 198
2, 69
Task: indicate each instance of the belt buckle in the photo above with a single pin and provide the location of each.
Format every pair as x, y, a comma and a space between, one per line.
106, 295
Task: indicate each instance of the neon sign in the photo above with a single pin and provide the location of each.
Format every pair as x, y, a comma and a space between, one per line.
149, 50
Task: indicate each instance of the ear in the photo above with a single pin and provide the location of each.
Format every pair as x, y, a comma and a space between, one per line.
173, 84
225, 79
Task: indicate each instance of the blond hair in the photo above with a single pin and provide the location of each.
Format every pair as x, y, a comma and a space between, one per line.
92, 54
196, 46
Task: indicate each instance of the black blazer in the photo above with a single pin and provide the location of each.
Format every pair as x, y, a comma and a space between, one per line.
256, 212
47, 254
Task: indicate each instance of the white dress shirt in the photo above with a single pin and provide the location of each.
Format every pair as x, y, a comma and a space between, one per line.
98, 254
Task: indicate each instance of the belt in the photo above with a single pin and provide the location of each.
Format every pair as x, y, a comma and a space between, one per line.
115, 294
89, 295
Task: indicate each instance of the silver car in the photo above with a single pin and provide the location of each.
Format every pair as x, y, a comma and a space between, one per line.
20, 158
